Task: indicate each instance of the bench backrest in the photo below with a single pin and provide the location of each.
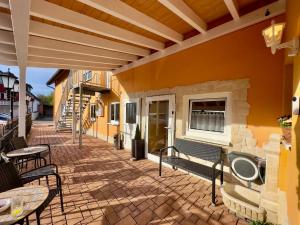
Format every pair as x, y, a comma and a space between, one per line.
199, 150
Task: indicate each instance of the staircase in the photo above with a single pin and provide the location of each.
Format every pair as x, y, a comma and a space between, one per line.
66, 119
70, 103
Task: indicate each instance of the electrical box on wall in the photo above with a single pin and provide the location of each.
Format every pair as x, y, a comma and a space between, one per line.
296, 105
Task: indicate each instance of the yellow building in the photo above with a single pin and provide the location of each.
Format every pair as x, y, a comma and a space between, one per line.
233, 80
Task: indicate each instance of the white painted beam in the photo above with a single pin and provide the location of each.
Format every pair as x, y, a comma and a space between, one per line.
20, 21
69, 62
232, 7
276, 8
8, 49
61, 46
53, 12
181, 9
129, 14
4, 4
61, 34
64, 66
44, 53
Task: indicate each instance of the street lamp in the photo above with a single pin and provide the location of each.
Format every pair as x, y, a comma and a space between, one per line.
7, 79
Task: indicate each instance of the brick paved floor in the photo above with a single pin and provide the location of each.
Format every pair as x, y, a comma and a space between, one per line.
102, 186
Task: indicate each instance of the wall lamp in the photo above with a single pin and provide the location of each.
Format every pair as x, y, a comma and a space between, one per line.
273, 36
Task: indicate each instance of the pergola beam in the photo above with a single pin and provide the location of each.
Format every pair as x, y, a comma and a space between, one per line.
64, 66
53, 12
181, 9
61, 46
232, 7
44, 53
129, 14
61, 34
276, 8
6, 37
70, 62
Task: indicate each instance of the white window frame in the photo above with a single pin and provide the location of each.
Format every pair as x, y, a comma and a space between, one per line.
114, 122
208, 136
87, 74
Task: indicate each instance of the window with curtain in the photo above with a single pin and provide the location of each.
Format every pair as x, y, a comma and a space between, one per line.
207, 115
131, 113
115, 112
93, 112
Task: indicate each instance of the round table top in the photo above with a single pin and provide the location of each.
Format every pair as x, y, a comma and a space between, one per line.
33, 197
27, 151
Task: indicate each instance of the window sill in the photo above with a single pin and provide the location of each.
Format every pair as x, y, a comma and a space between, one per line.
113, 123
222, 142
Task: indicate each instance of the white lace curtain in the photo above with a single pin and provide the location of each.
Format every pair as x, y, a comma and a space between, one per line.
208, 121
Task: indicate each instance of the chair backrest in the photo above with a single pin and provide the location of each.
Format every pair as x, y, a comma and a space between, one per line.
9, 176
18, 142
204, 151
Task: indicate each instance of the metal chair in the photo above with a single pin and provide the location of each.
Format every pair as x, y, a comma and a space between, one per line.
10, 178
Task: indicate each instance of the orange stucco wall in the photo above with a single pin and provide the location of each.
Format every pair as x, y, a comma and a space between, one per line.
241, 54
293, 157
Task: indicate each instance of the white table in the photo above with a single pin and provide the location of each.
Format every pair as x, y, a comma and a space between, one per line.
27, 151
33, 197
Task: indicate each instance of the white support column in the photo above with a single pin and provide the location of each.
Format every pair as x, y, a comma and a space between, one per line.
22, 102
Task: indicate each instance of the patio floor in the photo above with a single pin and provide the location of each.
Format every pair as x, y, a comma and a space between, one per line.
102, 186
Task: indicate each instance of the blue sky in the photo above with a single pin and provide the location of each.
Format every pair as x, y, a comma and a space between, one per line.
37, 77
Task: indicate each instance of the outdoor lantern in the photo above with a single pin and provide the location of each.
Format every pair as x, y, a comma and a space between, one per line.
8, 79
16, 86
273, 35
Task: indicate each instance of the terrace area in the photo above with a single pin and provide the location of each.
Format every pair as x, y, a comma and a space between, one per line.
102, 186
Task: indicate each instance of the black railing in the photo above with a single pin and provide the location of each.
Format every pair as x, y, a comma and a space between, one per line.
11, 130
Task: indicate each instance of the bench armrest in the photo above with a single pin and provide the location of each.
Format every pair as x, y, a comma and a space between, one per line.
163, 149
220, 161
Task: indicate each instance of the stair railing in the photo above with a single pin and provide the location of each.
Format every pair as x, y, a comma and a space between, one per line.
62, 103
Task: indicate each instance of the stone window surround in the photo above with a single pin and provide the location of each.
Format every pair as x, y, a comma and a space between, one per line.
206, 136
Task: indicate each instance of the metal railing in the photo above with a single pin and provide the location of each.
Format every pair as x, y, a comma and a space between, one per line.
62, 102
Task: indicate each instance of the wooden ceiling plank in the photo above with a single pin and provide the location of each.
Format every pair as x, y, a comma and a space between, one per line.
276, 8
4, 4
8, 57
8, 63
60, 46
233, 9
57, 33
20, 18
8, 49
181, 9
6, 37
70, 62
74, 57
5, 22
129, 14
53, 12
64, 66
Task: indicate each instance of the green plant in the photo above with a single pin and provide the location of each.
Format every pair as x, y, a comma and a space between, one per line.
138, 135
260, 223
285, 121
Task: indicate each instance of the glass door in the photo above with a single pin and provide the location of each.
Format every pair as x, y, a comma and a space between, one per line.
160, 123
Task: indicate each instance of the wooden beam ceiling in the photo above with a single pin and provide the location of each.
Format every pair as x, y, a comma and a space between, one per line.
127, 13
53, 12
181, 9
232, 7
